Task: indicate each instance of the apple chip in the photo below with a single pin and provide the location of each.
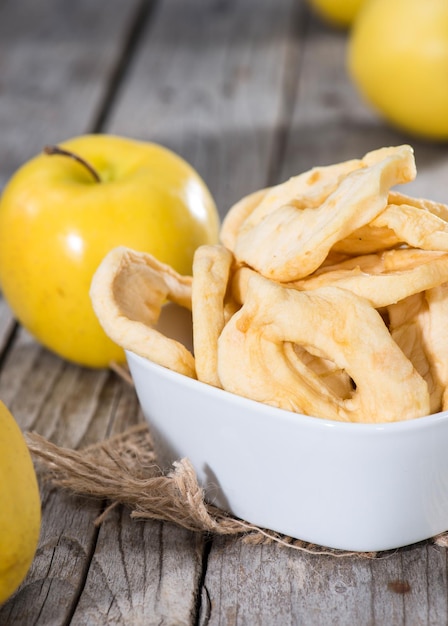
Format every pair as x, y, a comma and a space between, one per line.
305, 190
417, 222
436, 208
419, 325
436, 337
128, 291
329, 373
237, 215
290, 243
211, 270
256, 358
415, 226
368, 239
385, 278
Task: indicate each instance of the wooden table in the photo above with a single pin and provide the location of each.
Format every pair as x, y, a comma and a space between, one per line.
250, 92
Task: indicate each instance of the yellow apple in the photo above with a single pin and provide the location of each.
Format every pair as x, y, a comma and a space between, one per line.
58, 221
20, 509
398, 61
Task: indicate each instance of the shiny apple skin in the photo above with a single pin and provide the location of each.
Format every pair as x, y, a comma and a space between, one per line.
57, 224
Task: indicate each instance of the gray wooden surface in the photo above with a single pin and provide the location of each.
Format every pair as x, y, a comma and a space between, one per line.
250, 92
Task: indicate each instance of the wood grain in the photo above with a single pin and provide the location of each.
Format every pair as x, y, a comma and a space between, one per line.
56, 67
208, 83
275, 586
144, 573
57, 60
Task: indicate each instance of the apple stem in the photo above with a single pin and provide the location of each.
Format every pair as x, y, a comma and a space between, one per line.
57, 150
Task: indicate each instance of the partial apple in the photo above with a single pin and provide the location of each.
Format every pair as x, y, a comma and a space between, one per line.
60, 214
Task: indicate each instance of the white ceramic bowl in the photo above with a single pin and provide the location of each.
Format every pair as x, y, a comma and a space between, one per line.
359, 487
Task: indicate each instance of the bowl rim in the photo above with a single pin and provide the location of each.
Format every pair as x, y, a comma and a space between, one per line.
403, 426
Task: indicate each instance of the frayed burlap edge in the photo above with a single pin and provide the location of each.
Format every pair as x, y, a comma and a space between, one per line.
123, 470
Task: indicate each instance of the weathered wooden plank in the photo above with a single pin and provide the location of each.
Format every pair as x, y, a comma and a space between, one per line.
275, 586
56, 63
141, 573
125, 570
56, 576
194, 126
208, 83
74, 407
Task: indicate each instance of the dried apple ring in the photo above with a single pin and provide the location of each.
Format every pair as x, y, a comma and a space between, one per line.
419, 325
290, 243
436, 337
415, 226
256, 358
239, 282
237, 215
383, 279
308, 189
211, 270
431, 206
128, 291
418, 222
367, 240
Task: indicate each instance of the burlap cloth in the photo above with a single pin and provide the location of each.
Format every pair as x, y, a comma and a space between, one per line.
123, 470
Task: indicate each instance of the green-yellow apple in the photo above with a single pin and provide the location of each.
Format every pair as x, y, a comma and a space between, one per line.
20, 507
397, 58
59, 217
